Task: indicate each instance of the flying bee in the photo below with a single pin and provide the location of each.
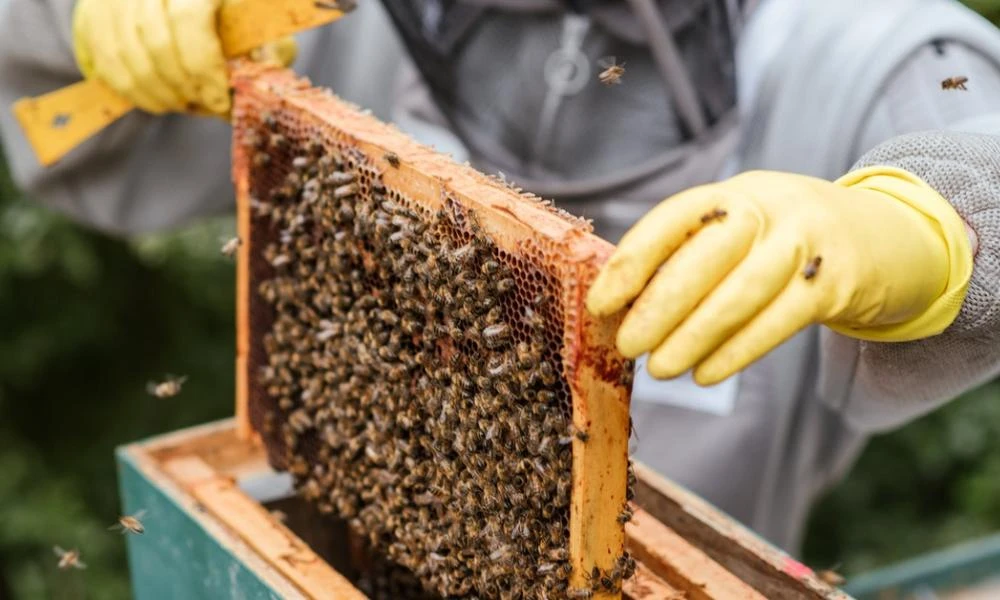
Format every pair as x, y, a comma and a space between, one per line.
130, 524
69, 559
168, 388
612, 73
230, 247
812, 268
955, 83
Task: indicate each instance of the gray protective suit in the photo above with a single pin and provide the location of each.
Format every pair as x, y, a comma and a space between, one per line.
814, 87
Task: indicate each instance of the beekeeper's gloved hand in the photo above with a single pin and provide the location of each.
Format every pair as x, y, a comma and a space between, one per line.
722, 273
161, 55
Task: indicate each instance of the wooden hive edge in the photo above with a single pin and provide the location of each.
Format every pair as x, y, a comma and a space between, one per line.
671, 565
516, 222
209, 497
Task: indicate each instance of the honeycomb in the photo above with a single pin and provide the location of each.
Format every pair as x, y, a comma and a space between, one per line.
418, 357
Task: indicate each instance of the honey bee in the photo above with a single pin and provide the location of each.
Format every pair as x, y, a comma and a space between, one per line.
716, 214
280, 260
812, 268
612, 73
345, 191
625, 515
392, 158
69, 559
558, 554
279, 515
230, 247
831, 576
955, 83
130, 524
344, 6
168, 388
505, 285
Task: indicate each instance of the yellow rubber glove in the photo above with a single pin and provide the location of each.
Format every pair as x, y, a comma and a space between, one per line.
723, 273
161, 55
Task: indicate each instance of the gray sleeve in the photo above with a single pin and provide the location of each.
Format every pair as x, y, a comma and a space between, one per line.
951, 139
142, 173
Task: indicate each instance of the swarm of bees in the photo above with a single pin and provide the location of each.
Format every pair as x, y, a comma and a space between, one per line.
955, 83
168, 388
412, 377
612, 71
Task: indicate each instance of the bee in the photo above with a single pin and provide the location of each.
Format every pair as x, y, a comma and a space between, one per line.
345, 191
558, 554
280, 260
261, 159
344, 6
168, 388
392, 158
955, 83
130, 524
505, 285
612, 73
279, 515
812, 268
230, 247
831, 576
498, 366
547, 373
69, 559
583, 436
625, 515
716, 214
496, 334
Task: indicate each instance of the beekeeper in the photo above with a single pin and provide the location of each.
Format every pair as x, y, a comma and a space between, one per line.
813, 308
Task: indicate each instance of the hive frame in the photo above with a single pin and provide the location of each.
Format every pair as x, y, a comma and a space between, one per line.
600, 403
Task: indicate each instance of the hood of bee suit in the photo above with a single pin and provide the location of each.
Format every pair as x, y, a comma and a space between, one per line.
517, 81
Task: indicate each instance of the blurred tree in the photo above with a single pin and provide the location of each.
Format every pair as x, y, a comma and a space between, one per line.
988, 8
85, 321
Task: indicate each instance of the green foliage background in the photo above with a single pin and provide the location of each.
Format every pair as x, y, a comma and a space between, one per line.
86, 320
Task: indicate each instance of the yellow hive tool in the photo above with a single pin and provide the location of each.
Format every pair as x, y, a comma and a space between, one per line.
59, 121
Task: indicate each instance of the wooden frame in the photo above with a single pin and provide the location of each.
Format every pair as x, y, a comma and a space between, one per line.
200, 470
592, 365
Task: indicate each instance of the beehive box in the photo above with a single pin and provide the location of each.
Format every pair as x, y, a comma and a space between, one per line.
214, 530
